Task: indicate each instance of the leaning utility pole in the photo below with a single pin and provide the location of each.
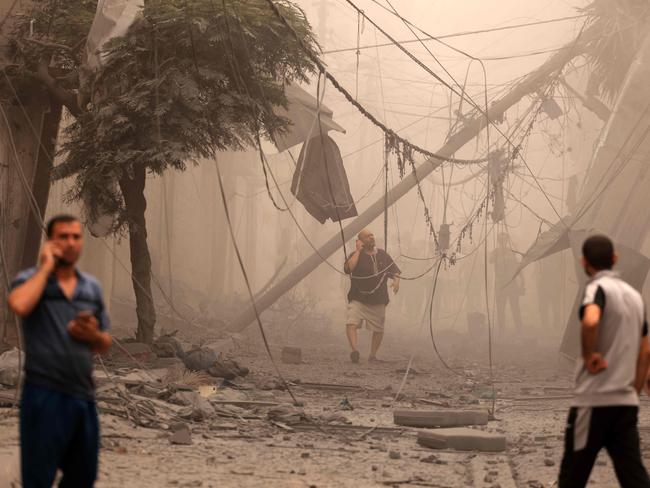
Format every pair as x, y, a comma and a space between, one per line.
531, 84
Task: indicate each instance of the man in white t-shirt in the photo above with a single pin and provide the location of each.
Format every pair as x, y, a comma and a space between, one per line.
609, 376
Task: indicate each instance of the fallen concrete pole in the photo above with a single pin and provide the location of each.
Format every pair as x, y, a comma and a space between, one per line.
440, 418
462, 439
531, 84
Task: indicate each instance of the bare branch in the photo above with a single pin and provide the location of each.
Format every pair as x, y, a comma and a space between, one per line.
66, 97
51, 45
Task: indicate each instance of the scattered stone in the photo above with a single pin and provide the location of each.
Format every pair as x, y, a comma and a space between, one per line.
549, 462
462, 439
440, 418
394, 455
164, 350
291, 355
184, 398
9, 372
304, 455
182, 436
227, 369
199, 359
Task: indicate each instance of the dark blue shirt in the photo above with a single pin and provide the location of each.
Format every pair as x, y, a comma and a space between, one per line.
53, 359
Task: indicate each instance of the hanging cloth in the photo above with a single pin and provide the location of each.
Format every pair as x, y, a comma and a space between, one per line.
311, 185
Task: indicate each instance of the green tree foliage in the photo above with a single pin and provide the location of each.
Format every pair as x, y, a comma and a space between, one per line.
190, 78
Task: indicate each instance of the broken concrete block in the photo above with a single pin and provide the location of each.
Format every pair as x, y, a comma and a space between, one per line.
182, 436
198, 410
440, 418
462, 439
291, 355
184, 398
164, 350
227, 368
199, 359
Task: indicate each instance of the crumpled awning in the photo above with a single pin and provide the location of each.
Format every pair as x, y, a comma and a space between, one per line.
302, 110
112, 19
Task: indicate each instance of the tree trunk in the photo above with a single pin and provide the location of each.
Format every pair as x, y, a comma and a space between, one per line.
41, 183
136, 204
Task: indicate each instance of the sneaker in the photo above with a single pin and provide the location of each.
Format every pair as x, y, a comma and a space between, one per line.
354, 357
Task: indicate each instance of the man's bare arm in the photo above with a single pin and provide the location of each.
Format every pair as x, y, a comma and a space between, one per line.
352, 262
590, 321
24, 297
642, 363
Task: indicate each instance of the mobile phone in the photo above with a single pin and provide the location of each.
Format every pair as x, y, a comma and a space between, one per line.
84, 314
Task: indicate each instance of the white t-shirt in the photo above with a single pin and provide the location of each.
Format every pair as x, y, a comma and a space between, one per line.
621, 327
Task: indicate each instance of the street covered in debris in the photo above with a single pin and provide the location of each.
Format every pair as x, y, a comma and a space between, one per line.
324, 243
163, 427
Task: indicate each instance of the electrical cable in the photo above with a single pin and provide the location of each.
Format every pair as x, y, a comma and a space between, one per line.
459, 34
248, 286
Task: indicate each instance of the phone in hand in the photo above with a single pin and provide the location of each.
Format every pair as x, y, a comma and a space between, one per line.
83, 315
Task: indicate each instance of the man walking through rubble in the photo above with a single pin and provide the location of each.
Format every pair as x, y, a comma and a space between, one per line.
64, 323
369, 269
610, 375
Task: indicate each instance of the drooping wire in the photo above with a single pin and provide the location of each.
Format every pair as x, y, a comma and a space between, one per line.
248, 285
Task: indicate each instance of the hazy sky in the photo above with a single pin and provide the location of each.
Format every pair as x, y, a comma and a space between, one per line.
408, 99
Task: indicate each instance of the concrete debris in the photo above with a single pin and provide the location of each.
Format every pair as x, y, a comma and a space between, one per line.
184, 398
9, 364
432, 459
227, 368
440, 418
200, 359
286, 414
462, 439
291, 355
182, 436
164, 350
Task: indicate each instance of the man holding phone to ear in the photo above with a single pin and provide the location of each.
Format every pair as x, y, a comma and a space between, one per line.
369, 269
64, 323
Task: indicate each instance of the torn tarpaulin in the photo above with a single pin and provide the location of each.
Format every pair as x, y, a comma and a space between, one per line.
311, 185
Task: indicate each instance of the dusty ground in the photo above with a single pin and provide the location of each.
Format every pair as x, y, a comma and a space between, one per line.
247, 450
